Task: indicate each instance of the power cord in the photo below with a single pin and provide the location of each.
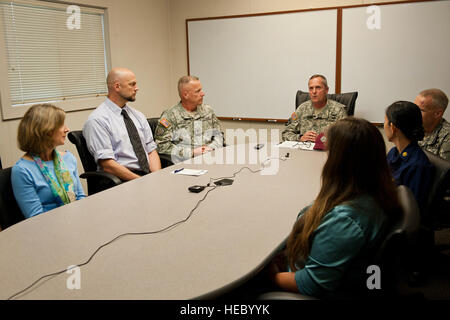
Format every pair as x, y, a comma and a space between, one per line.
173, 225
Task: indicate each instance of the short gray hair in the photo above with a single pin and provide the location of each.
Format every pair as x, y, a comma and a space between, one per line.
324, 80
439, 99
185, 80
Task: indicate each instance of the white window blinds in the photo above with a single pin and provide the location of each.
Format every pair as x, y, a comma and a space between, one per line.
48, 57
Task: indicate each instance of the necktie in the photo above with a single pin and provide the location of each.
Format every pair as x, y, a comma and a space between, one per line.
136, 142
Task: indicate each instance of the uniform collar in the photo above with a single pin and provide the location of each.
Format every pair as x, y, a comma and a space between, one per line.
434, 134
323, 112
406, 153
190, 115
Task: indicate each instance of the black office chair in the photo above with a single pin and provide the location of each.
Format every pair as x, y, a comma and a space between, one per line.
348, 99
392, 256
437, 209
153, 122
96, 180
166, 160
10, 212
435, 216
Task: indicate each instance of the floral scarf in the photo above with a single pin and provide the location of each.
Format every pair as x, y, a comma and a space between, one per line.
63, 188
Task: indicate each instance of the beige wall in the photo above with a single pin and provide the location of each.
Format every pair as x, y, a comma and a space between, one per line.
139, 32
149, 37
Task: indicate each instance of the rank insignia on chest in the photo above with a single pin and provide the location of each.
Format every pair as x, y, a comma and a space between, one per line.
164, 122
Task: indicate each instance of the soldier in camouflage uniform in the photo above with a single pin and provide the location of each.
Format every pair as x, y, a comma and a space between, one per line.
189, 128
313, 116
432, 103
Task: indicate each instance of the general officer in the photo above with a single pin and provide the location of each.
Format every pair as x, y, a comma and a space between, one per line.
189, 128
313, 116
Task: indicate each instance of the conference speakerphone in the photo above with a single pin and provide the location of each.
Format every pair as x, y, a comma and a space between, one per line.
223, 182
196, 189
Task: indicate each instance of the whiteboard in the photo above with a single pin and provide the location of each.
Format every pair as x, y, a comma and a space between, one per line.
252, 67
409, 53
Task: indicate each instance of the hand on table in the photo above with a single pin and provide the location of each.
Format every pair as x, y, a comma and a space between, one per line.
201, 150
309, 136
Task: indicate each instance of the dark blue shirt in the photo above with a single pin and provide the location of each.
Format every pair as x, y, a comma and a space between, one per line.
412, 169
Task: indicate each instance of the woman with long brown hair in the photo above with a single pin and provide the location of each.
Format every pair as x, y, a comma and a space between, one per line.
331, 240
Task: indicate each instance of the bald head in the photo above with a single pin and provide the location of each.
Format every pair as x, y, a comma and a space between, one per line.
122, 86
117, 75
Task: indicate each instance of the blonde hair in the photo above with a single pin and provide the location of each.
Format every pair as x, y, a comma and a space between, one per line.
37, 127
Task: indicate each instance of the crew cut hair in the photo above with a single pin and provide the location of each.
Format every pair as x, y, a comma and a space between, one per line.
439, 99
324, 80
184, 80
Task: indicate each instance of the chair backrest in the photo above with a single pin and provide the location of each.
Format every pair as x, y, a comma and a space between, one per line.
10, 212
153, 122
399, 241
348, 99
437, 205
87, 160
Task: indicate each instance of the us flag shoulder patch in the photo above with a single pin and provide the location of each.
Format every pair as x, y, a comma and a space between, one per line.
164, 122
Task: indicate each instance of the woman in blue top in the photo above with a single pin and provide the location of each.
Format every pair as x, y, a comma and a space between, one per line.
409, 164
44, 178
329, 246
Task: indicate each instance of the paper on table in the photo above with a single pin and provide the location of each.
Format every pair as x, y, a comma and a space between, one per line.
288, 144
297, 145
190, 172
306, 145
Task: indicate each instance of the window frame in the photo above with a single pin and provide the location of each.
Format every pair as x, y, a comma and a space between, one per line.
10, 112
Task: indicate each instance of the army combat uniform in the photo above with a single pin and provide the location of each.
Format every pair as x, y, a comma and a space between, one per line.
307, 118
438, 141
179, 132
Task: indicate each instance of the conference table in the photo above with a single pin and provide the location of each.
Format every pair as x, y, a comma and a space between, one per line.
191, 249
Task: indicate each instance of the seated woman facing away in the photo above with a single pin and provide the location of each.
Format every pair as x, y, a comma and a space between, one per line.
44, 178
330, 245
409, 164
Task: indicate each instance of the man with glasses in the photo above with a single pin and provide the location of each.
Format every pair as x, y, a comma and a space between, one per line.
432, 103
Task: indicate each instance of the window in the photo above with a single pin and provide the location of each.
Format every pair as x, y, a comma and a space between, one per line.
51, 52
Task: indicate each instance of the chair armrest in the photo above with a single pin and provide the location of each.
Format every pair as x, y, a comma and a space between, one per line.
99, 180
101, 175
166, 160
